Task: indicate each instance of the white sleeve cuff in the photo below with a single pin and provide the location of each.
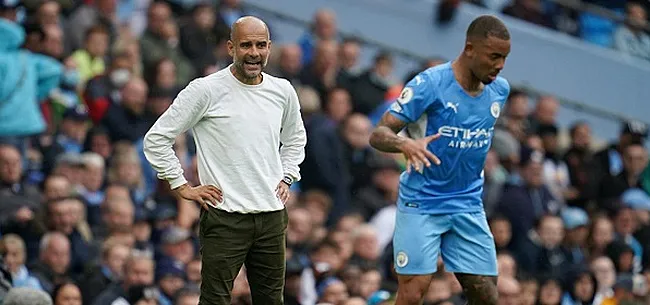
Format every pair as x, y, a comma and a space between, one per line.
174, 183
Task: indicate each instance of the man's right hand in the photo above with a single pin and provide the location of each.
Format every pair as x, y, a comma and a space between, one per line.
416, 152
201, 194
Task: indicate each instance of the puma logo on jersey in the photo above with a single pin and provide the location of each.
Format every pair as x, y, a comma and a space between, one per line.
453, 106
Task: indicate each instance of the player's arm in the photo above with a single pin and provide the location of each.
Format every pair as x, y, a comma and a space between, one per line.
414, 101
385, 137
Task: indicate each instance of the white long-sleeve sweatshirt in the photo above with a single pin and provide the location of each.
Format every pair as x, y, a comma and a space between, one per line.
248, 137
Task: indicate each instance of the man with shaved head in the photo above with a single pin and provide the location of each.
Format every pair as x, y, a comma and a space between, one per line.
239, 116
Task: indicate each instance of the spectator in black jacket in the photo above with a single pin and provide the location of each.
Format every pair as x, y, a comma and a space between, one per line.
525, 202
128, 120
635, 160
541, 253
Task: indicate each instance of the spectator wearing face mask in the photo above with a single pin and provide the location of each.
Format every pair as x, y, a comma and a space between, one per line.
104, 90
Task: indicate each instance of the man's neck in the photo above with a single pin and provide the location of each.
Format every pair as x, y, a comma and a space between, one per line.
464, 76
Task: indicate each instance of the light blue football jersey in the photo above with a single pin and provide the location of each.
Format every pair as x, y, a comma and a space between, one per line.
434, 102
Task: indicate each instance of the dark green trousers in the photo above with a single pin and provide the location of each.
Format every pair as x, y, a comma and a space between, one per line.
229, 240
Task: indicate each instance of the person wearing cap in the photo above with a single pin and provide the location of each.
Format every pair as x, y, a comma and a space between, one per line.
170, 277
639, 201
525, 201
177, 244
250, 142
70, 137
27, 79
576, 223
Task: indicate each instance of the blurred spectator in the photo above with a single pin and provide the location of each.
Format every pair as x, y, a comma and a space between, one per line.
200, 37
529, 290
19, 200
104, 90
70, 136
28, 79
556, 172
495, 178
53, 266
53, 40
323, 29
580, 287
325, 262
576, 225
600, 235
545, 113
12, 249
27, 296
67, 293
64, 97
635, 160
100, 12
609, 161
90, 59
33, 37
349, 52
170, 277
542, 252
162, 75
502, 232
578, 159
177, 245
382, 190
117, 212
524, 203
603, 269
630, 38
332, 291
128, 120
550, 291
188, 295
320, 73
109, 270
290, 64
61, 218
161, 40
366, 251
368, 90
509, 291
507, 264
138, 270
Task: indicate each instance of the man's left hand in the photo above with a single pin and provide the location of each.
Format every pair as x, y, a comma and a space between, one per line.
282, 191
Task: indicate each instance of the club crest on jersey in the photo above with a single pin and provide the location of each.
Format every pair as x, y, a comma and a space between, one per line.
495, 109
402, 259
405, 96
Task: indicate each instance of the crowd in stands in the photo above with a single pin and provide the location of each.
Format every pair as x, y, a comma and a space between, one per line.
84, 218
630, 37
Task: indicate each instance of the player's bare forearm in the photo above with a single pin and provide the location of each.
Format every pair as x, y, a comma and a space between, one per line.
385, 138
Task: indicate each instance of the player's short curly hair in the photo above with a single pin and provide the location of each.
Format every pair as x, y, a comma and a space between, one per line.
487, 25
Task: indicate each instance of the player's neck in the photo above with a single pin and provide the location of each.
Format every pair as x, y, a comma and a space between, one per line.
465, 77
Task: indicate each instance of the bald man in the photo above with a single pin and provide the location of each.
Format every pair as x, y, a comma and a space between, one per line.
240, 116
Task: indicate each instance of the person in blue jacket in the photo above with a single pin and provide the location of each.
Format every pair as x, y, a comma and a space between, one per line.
26, 79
